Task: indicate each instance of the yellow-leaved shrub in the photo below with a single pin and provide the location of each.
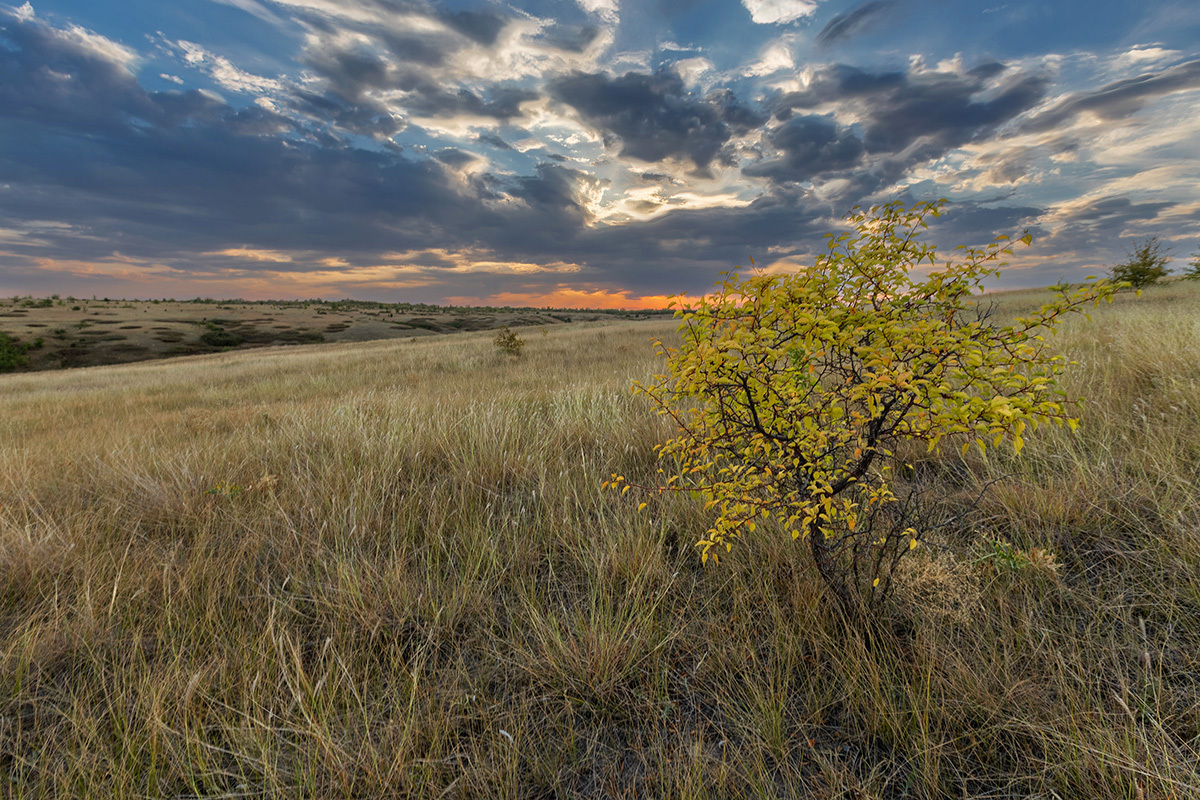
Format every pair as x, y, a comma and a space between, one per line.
792, 392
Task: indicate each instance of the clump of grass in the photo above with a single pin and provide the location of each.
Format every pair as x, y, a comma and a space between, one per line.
388, 569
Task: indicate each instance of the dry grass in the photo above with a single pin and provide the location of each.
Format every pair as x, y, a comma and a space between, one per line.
388, 569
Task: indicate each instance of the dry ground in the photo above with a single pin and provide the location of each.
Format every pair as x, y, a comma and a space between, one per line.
388, 569
82, 333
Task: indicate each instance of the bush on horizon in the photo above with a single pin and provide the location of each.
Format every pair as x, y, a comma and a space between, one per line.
1146, 263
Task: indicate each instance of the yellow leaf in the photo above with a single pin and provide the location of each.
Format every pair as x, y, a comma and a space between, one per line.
641, 507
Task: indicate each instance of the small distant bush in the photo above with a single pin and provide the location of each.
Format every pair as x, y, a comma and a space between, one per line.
1147, 263
508, 341
12, 353
1192, 273
221, 338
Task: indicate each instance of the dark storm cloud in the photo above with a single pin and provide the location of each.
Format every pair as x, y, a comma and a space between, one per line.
1121, 98
181, 172
48, 77
351, 76
493, 140
1008, 166
59, 83
945, 110
811, 145
906, 119
977, 223
1114, 212
1090, 236
453, 157
363, 118
843, 26
348, 78
901, 108
481, 26
654, 116
654, 177
570, 38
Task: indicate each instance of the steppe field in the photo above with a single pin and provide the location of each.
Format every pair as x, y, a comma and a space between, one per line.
388, 569
61, 333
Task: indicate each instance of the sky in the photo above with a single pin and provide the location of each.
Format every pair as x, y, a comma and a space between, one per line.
575, 153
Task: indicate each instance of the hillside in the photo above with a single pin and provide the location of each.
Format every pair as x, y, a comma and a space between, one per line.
58, 333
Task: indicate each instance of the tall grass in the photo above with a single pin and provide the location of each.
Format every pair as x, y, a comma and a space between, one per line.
388, 569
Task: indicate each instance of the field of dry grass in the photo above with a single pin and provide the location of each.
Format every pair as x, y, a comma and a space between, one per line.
387, 569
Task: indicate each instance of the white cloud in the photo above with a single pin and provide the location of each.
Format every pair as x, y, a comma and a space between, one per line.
1146, 54
253, 254
98, 45
692, 69
773, 59
223, 71
670, 45
777, 12
630, 59
353, 11
604, 10
24, 12
252, 7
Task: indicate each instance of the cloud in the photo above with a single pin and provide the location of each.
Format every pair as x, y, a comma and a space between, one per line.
938, 110
253, 7
654, 116
223, 71
778, 12
1111, 212
444, 70
1120, 98
775, 58
844, 26
479, 26
51, 76
494, 153
811, 146
566, 296
605, 10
